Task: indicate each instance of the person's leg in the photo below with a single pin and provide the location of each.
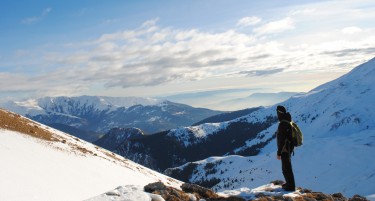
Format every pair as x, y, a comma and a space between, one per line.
287, 171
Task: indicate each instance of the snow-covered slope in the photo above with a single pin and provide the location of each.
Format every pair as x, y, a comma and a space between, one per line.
338, 122
41, 163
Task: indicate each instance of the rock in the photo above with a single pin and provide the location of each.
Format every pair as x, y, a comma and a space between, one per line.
358, 198
201, 191
339, 197
154, 187
226, 199
318, 196
167, 193
308, 199
189, 192
305, 190
193, 192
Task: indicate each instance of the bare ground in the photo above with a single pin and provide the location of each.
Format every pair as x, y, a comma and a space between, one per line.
16, 122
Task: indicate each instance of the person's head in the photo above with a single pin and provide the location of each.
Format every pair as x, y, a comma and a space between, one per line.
281, 112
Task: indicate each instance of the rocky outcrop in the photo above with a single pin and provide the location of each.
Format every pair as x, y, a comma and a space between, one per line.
188, 192
192, 192
311, 196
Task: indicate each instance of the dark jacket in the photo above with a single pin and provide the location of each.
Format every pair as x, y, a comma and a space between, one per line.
284, 135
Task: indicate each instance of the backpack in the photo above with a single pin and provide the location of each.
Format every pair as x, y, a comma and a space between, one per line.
297, 136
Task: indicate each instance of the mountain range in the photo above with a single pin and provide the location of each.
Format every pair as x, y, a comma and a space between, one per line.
337, 119
93, 116
232, 99
338, 122
41, 163
256, 99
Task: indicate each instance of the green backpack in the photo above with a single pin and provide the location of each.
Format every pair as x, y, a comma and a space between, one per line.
297, 135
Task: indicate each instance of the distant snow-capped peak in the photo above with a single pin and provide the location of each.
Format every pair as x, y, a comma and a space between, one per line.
63, 104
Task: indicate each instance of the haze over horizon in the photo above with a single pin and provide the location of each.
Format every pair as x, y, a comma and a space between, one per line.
163, 48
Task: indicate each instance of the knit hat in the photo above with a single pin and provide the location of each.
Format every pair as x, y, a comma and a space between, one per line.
281, 109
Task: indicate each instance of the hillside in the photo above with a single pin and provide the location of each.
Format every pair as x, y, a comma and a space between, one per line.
227, 116
116, 136
338, 121
41, 163
89, 136
178, 146
50, 165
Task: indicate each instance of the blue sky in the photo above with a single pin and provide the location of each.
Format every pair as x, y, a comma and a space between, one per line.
156, 48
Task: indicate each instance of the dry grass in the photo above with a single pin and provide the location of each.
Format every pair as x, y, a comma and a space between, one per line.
16, 122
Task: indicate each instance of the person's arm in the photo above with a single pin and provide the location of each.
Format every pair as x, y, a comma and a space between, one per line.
281, 137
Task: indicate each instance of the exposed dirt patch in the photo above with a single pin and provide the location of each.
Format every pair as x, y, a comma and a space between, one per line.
16, 122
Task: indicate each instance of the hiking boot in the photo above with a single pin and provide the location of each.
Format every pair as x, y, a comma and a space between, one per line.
286, 187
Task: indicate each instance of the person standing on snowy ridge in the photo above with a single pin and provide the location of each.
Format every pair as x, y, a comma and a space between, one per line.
285, 147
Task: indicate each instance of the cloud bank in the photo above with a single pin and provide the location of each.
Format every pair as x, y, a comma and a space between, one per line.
151, 55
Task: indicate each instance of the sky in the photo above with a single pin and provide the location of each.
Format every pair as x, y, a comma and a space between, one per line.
150, 48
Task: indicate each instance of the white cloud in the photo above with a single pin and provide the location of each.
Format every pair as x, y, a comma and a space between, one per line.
276, 26
150, 55
351, 30
150, 23
34, 19
248, 21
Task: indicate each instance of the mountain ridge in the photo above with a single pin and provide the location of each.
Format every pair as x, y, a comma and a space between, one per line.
100, 114
41, 163
338, 111
338, 122
50, 165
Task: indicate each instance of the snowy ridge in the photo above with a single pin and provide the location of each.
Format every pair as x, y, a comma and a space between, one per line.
338, 122
100, 114
67, 104
38, 163
341, 107
196, 134
192, 135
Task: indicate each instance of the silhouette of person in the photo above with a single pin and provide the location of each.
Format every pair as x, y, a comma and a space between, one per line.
285, 147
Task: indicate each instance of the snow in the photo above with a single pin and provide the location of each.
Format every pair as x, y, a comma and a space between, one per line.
29, 106
338, 122
191, 135
328, 164
101, 103
371, 197
33, 169
126, 193
337, 119
268, 190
